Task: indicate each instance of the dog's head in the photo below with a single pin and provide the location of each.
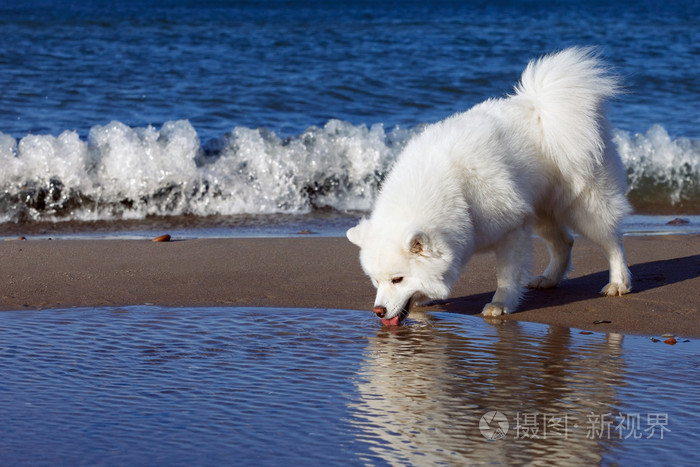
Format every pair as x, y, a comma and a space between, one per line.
406, 267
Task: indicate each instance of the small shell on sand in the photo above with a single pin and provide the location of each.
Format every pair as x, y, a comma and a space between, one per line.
162, 238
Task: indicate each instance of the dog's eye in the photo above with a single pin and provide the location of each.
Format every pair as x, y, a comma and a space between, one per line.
396, 280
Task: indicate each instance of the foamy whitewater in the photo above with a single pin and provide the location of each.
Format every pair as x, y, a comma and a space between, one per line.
122, 172
131, 173
125, 110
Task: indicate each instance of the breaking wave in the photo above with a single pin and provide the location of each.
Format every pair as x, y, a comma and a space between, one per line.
663, 174
134, 173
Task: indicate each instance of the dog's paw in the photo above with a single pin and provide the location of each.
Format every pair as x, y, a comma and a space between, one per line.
541, 282
494, 309
615, 289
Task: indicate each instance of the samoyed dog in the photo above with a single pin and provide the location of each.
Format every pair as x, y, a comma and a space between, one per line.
538, 161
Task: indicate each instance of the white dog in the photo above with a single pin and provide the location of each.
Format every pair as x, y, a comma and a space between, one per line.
481, 180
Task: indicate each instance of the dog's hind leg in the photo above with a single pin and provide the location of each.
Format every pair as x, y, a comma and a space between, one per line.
620, 277
513, 257
598, 222
559, 243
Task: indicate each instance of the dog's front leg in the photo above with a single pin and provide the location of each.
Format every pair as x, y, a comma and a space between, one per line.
513, 258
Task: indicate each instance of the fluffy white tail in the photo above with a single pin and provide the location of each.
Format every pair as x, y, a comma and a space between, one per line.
565, 92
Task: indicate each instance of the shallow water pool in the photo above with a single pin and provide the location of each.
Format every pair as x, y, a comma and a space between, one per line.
244, 386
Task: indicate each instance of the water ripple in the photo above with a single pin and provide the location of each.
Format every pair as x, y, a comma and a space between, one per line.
270, 387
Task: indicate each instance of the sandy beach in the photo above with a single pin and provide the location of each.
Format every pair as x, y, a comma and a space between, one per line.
318, 272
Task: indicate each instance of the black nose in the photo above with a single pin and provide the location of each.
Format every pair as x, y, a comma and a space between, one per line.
379, 311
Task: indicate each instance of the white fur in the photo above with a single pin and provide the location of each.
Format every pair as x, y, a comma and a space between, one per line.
539, 159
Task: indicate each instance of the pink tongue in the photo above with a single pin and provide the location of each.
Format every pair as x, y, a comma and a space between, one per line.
391, 322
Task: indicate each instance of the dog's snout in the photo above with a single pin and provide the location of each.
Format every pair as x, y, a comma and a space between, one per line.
379, 311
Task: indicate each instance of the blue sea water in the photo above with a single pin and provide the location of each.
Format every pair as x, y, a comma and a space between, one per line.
278, 387
189, 110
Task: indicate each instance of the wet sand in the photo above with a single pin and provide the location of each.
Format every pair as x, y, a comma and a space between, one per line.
318, 273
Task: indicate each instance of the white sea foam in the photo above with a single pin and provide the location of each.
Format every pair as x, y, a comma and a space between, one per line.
661, 170
123, 172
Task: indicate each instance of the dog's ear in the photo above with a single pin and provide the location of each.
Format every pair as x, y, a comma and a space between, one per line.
357, 234
417, 243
